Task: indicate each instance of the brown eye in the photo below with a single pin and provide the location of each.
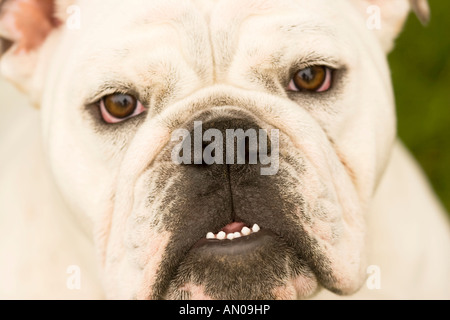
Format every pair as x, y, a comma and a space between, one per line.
120, 106
316, 79
117, 107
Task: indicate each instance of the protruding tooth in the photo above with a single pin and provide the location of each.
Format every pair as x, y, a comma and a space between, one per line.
255, 228
237, 235
246, 231
230, 236
221, 235
210, 235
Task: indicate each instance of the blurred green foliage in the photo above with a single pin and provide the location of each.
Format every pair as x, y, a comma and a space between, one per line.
420, 67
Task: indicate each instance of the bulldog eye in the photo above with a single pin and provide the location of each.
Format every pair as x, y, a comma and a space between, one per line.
119, 107
311, 79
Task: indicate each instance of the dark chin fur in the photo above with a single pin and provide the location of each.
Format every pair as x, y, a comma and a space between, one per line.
253, 274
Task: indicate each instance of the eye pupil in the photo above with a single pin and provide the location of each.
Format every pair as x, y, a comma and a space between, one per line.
120, 105
310, 79
307, 75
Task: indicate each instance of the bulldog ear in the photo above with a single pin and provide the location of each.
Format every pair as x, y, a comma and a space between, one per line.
25, 25
387, 17
421, 9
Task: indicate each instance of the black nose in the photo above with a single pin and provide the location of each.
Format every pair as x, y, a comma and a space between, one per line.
225, 142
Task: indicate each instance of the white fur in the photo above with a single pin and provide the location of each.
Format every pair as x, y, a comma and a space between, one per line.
61, 208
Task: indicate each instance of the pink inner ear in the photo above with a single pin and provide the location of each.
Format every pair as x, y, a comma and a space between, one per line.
29, 22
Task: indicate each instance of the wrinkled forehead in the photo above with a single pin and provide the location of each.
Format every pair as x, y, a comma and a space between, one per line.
146, 41
141, 12
178, 47
166, 22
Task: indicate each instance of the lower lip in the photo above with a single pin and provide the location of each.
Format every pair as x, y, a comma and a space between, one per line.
236, 246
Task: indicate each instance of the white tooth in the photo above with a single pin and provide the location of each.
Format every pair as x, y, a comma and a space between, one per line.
210, 235
237, 235
230, 236
246, 231
255, 228
221, 235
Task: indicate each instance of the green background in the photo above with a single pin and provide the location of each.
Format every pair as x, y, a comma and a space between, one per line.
420, 67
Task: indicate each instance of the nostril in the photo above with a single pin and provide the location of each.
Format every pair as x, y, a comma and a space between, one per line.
211, 152
201, 158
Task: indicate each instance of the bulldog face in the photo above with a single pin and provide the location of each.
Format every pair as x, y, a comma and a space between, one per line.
114, 92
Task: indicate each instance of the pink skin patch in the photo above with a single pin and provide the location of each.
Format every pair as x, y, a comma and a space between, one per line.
28, 22
324, 87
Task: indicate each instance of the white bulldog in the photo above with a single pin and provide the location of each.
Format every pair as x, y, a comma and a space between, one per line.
89, 191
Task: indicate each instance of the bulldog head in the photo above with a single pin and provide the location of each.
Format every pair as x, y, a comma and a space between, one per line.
114, 90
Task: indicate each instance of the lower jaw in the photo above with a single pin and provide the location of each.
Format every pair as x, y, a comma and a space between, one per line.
294, 289
259, 266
